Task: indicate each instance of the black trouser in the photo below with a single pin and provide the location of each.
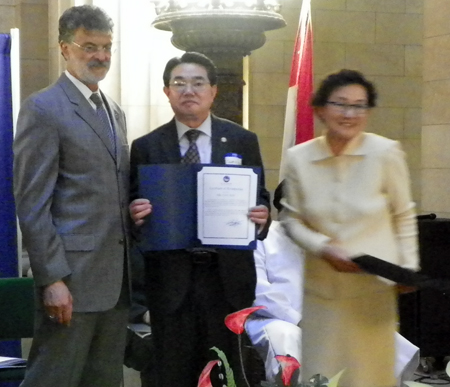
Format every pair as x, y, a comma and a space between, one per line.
183, 339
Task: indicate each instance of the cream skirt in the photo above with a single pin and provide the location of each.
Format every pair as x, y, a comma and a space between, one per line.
356, 334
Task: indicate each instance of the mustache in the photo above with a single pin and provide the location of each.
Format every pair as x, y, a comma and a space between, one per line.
97, 63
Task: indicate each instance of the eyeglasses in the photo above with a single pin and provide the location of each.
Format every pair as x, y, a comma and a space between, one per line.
343, 108
197, 85
92, 49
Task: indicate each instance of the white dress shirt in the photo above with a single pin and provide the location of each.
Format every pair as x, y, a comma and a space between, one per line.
83, 88
203, 141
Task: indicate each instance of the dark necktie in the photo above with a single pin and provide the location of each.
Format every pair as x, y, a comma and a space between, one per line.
192, 156
103, 115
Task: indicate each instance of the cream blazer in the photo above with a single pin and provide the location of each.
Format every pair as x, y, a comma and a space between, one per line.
359, 200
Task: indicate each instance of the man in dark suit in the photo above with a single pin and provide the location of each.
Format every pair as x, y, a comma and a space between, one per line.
71, 172
191, 292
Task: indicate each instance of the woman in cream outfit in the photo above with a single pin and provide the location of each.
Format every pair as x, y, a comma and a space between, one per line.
348, 194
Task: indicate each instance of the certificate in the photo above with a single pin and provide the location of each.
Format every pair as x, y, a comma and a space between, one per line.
224, 196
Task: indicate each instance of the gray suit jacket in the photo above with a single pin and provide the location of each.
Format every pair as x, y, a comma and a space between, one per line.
72, 194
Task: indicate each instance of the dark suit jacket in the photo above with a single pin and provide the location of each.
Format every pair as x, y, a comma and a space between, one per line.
169, 271
72, 194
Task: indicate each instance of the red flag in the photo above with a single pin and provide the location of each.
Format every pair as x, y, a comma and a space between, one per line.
299, 121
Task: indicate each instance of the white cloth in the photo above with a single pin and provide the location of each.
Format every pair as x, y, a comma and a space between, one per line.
272, 337
279, 287
275, 331
407, 359
279, 271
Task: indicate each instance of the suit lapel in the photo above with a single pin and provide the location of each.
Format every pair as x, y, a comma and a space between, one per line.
169, 143
85, 111
219, 142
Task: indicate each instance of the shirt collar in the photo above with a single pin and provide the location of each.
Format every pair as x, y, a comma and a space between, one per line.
81, 86
205, 127
355, 147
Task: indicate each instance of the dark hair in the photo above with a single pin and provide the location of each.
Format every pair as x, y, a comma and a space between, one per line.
343, 78
277, 196
191, 57
89, 17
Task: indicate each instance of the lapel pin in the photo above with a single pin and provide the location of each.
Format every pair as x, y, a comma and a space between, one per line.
223, 139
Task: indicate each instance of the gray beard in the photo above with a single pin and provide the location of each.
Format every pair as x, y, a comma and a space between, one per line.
89, 78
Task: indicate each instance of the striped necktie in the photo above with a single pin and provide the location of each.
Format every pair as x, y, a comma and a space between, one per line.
191, 156
106, 123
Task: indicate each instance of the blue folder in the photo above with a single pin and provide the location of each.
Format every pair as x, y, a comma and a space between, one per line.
172, 190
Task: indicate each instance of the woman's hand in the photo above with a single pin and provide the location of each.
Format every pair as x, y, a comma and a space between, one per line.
338, 259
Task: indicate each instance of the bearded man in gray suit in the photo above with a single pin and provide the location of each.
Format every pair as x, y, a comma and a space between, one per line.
71, 172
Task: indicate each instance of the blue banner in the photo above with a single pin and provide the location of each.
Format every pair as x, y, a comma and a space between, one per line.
8, 231
8, 228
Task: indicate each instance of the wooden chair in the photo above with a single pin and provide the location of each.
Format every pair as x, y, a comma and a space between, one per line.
16, 317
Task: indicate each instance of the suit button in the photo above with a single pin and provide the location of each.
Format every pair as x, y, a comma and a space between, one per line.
121, 241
